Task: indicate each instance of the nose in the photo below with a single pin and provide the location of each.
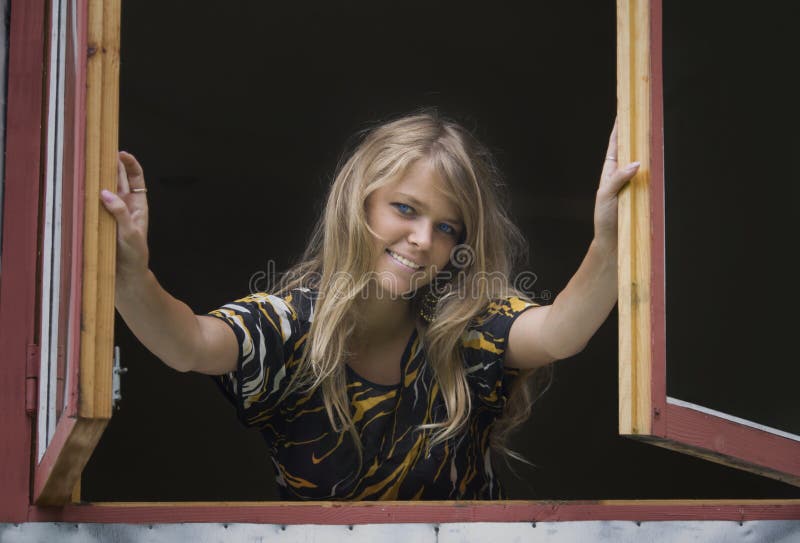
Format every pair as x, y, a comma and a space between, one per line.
420, 235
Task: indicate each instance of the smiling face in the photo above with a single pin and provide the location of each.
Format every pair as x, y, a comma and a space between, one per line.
417, 225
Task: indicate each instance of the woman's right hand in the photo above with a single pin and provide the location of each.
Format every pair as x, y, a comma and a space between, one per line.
130, 211
166, 326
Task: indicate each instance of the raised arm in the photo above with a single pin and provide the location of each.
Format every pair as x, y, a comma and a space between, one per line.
165, 325
544, 334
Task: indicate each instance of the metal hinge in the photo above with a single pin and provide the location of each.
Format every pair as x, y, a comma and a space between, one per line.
32, 364
116, 379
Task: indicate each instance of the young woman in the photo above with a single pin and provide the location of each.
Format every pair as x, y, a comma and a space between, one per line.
392, 359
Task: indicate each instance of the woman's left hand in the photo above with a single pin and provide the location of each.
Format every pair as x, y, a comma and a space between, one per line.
612, 180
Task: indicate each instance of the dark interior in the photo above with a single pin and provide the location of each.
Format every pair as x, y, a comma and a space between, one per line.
239, 113
731, 213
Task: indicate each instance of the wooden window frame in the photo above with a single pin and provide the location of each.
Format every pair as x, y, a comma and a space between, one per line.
95, 74
89, 258
18, 302
63, 277
645, 410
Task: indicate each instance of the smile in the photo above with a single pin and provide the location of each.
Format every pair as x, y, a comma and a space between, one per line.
403, 260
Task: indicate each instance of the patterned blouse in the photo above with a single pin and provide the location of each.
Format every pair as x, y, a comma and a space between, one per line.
313, 462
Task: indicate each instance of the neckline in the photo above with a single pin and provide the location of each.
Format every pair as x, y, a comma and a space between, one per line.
404, 360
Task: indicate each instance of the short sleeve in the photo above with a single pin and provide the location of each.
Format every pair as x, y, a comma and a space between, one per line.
484, 345
268, 330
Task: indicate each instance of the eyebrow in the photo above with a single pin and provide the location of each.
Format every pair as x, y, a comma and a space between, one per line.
420, 205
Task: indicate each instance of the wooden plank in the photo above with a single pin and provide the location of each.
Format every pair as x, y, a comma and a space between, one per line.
94, 78
344, 513
107, 232
457, 503
633, 95
658, 314
65, 459
732, 444
78, 25
20, 229
78, 226
102, 121
72, 205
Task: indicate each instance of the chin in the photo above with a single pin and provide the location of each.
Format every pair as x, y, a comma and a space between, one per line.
392, 279
394, 285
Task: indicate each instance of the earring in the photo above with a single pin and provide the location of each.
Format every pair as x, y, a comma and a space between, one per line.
438, 288
427, 308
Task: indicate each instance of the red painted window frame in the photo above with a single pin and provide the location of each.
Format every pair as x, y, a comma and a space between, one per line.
70, 267
674, 426
18, 323
18, 296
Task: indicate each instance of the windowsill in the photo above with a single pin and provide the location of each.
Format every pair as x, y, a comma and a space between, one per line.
347, 513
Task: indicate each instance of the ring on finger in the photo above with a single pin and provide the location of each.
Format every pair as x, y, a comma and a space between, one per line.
611, 158
142, 189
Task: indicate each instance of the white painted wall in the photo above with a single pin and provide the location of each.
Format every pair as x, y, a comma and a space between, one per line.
506, 532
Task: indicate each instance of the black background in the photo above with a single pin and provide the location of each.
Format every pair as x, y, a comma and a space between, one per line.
239, 112
731, 143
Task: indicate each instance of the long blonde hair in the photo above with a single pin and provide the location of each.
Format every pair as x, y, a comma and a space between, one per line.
340, 253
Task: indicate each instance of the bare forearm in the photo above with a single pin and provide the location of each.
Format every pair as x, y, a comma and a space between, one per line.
165, 325
584, 304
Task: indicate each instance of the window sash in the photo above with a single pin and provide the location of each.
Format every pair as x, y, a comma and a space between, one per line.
645, 411
81, 156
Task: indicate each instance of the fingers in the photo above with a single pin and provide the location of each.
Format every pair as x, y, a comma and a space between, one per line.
610, 161
132, 252
618, 178
612, 140
133, 171
114, 204
613, 178
122, 178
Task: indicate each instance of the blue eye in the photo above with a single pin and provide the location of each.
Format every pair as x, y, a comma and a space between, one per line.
403, 207
406, 209
447, 229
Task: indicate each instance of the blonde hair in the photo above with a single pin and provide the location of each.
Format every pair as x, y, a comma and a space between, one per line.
341, 251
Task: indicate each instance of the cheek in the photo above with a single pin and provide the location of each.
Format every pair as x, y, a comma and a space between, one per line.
442, 258
389, 228
377, 223
369, 214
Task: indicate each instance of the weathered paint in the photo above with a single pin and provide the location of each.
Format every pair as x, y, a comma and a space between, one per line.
347, 513
555, 532
23, 137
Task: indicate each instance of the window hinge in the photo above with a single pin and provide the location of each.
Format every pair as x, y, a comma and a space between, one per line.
32, 364
116, 379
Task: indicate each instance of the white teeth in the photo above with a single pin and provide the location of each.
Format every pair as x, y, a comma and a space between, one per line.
405, 261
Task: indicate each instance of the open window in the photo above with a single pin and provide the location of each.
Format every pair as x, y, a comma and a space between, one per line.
704, 332
233, 121
73, 354
238, 136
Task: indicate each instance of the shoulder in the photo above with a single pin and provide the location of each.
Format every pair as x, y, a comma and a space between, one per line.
484, 344
510, 306
271, 331
488, 331
297, 305
495, 320
298, 302
286, 314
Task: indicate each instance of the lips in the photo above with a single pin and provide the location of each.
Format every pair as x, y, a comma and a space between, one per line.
403, 260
